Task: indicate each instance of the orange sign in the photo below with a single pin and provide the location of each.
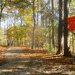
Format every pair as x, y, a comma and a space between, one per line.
71, 21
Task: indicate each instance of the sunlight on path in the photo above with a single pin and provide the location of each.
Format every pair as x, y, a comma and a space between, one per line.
21, 63
13, 54
17, 64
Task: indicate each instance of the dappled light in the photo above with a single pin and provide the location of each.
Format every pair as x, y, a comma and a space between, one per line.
37, 37
36, 62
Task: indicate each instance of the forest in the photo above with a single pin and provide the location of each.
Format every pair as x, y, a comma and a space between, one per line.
38, 26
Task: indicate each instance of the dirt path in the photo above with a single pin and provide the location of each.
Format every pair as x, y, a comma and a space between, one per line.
17, 63
35, 62
14, 54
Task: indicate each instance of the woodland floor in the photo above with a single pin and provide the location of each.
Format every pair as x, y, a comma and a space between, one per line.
36, 62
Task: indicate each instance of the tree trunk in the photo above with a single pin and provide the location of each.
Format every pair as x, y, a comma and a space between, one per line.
1, 9
33, 40
52, 22
66, 48
60, 28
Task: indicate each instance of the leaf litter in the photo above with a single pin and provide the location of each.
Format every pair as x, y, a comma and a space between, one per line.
40, 62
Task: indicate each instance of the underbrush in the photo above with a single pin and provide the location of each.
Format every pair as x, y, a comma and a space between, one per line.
50, 49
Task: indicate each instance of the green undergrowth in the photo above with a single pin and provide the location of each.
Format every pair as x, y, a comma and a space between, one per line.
50, 49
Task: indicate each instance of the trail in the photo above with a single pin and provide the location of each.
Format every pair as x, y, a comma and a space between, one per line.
17, 63
34, 62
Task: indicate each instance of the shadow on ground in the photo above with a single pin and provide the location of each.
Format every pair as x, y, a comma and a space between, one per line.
34, 62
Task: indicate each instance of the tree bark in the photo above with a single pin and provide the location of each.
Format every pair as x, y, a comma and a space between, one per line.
66, 48
1, 11
33, 40
60, 28
52, 22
